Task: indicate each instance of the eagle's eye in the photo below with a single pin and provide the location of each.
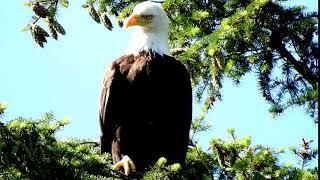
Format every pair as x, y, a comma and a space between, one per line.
148, 17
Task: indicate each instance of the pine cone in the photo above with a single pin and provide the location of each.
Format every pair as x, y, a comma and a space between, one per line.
93, 13
52, 31
57, 26
38, 34
42, 38
39, 10
106, 21
38, 30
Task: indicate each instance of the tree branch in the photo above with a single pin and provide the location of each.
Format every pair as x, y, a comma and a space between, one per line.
276, 43
297, 65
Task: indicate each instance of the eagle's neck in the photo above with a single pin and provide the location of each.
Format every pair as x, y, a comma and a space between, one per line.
144, 40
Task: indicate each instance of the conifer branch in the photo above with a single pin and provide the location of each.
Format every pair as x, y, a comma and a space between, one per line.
276, 43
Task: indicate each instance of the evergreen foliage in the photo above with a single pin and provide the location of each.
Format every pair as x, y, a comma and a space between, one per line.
219, 39
30, 150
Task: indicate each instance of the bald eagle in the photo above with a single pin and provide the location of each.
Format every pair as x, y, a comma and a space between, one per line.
146, 99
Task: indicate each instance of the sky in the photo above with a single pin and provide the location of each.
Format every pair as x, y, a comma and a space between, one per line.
65, 78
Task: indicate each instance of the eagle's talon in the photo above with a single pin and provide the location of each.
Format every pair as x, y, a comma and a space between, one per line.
127, 164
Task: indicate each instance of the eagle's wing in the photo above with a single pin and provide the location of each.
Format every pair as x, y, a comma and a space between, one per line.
105, 126
177, 134
112, 101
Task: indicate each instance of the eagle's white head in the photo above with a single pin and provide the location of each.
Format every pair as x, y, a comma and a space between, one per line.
152, 29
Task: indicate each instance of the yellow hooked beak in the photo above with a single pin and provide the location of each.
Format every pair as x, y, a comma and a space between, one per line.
134, 20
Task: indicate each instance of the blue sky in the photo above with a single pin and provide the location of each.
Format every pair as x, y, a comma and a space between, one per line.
65, 78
